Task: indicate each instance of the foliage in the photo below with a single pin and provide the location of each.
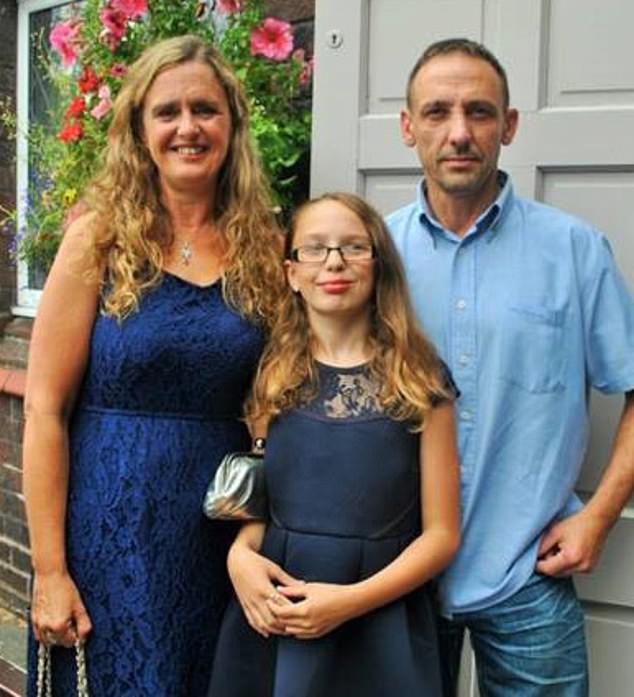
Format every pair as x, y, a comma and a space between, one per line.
84, 60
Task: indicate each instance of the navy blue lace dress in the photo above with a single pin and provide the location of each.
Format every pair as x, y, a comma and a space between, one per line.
159, 407
343, 482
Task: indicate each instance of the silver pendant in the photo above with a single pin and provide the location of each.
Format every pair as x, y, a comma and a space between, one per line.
186, 253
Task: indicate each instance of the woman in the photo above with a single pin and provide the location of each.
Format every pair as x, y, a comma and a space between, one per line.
362, 478
147, 335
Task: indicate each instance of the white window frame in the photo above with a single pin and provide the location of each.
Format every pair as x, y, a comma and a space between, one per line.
27, 298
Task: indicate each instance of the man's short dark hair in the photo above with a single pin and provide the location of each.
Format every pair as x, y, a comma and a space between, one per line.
459, 45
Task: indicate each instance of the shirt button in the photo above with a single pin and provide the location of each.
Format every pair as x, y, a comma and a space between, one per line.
466, 415
461, 304
463, 359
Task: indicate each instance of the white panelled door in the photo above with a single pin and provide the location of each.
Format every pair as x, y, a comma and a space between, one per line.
571, 75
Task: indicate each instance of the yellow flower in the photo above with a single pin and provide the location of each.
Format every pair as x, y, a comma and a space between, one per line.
69, 197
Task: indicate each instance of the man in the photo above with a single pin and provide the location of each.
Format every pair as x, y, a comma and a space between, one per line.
525, 304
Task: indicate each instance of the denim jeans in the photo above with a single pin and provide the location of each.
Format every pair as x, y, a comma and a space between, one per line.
530, 645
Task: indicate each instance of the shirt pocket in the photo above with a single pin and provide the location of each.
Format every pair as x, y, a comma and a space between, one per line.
532, 348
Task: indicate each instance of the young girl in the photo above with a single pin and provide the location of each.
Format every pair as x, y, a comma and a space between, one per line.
362, 474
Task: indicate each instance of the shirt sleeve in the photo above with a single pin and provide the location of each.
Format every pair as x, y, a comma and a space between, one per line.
607, 310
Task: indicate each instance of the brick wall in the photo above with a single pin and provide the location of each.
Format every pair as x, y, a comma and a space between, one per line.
292, 10
14, 553
15, 332
14, 559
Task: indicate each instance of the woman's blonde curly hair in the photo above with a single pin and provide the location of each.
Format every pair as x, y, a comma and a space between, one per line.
133, 233
404, 362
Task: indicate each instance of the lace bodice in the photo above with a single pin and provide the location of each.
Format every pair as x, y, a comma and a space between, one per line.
345, 393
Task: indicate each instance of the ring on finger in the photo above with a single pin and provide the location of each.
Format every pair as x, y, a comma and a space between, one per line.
50, 638
275, 597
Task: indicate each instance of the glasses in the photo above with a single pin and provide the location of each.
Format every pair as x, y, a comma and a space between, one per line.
318, 253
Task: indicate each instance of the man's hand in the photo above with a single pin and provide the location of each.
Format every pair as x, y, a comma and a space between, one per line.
572, 545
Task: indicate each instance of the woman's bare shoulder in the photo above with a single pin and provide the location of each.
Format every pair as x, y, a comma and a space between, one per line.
76, 251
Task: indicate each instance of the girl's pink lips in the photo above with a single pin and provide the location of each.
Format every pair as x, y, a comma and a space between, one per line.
335, 287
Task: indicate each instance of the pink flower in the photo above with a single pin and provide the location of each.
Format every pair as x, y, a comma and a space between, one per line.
108, 39
118, 70
130, 8
115, 24
308, 70
104, 105
228, 7
273, 39
307, 65
64, 38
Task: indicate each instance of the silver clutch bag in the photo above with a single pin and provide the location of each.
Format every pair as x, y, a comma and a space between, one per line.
238, 489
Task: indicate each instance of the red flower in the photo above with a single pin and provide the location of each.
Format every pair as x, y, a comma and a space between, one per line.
88, 81
228, 7
130, 8
114, 21
115, 24
273, 39
76, 107
119, 70
72, 132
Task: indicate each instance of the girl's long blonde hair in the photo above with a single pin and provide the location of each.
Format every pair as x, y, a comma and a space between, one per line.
404, 362
133, 232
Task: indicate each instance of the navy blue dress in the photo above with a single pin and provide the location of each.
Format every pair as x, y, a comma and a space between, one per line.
343, 484
159, 407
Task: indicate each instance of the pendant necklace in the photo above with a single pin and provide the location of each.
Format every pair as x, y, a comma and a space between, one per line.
186, 252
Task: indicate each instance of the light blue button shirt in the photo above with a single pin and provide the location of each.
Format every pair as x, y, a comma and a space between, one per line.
528, 310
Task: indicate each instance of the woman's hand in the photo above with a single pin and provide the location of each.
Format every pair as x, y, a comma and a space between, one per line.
256, 581
58, 613
314, 609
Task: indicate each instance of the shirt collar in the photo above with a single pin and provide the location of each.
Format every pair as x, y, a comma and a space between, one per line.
487, 220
